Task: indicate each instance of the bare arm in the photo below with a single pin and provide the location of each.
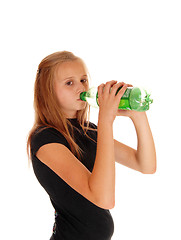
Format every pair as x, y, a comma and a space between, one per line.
102, 179
146, 153
144, 158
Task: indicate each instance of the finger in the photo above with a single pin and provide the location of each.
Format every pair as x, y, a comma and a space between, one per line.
115, 87
100, 88
108, 85
123, 112
121, 91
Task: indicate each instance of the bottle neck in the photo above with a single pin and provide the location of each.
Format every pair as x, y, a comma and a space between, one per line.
83, 96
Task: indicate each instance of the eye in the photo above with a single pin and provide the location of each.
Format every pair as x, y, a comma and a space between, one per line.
84, 80
69, 83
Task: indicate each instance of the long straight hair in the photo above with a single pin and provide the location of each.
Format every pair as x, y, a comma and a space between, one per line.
47, 109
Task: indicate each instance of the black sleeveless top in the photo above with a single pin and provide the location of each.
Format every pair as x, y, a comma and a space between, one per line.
76, 218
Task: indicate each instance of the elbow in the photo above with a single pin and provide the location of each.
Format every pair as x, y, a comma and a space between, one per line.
110, 205
149, 171
107, 204
149, 168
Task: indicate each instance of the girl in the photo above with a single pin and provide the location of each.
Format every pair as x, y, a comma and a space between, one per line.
72, 158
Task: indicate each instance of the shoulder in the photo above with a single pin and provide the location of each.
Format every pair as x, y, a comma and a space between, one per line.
44, 135
45, 131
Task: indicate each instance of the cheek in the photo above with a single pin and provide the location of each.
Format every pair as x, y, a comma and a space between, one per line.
62, 96
58, 91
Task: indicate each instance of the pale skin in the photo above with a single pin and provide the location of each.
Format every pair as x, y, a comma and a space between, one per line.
99, 186
68, 85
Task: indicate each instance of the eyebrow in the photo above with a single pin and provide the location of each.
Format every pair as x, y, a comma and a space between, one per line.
73, 77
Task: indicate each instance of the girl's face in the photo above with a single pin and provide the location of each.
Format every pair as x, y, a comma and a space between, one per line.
70, 80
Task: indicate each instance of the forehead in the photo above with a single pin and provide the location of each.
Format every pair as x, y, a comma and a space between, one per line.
70, 69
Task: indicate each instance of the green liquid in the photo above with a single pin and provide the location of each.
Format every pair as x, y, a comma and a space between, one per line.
124, 104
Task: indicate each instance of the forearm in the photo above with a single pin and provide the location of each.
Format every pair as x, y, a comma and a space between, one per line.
146, 153
102, 180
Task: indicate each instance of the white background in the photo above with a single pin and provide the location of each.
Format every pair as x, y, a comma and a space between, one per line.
138, 42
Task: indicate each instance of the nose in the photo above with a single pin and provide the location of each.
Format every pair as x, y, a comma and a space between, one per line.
80, 88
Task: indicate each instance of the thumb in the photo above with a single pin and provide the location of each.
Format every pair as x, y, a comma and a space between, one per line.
121, 112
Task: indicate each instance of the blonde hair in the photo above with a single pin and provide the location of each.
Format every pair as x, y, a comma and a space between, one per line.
47, 110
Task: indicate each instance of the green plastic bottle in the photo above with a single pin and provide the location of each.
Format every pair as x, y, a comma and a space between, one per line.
134, 98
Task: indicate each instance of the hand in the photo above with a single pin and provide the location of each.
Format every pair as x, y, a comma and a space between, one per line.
109, 100
129, 113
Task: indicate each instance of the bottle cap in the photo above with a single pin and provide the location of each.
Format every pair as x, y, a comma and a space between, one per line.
148, 100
